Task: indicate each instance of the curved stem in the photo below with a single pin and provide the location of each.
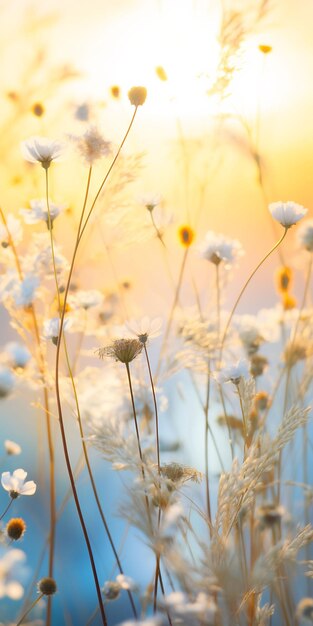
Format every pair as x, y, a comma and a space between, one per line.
157, 567
82, 230
63, 435
80, 233
175, 301
42, 369
29, 610
246, 285
6, 509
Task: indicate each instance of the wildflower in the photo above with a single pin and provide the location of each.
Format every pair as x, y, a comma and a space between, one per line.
287, 213
161, 73
51, 328
115, 91
86, 299
123, 350
233, 373
261, 401
304, 610
15, 230
25, 291
265, 48
12, 448
305, 235
269, 515
92, 146
137, 96
38, 109
112, 589
7, 381
16, 528
9, 569
18, 354
217, 248
186, 236
150, 201
15, 484
250, 334
47, 586
283, 278
258, 364
38, 212
41, 150
145, 328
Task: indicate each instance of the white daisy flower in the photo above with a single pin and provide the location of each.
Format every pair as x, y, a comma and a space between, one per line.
16, 485
217, 248
38, 212
305, 235
86, 299
287, 213
146, 328
233, 373
41, 150
150, 201
51, 328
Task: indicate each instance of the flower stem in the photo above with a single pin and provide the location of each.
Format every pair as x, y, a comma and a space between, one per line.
63, 435
82, 228
6, 509
29, 610
175, 301
245, 286
42, 369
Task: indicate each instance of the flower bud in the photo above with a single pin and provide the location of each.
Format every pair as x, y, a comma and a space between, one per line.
47, 586
16, 528
137, 95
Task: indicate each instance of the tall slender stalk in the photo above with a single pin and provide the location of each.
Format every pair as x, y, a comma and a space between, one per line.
81, 230
172, 311
277, 244
29, 610
63, 435
42, 369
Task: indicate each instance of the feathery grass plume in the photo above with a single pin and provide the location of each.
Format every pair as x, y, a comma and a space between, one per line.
268, 565
263, 614
238, 487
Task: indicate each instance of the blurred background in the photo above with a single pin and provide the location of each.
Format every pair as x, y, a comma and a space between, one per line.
226, 128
